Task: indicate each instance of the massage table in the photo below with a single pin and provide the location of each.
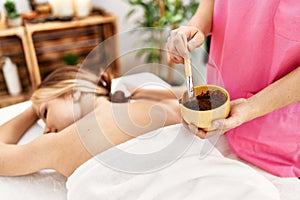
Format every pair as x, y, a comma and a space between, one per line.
219, 162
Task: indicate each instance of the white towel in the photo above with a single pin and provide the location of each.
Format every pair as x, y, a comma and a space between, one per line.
131, 82
166, 164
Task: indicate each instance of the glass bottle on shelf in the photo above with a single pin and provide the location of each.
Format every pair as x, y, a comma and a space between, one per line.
11, 77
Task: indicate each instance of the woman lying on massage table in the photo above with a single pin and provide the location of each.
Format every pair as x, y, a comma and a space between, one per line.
70, 95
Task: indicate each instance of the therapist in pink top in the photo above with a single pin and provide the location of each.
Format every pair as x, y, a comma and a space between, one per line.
256, 47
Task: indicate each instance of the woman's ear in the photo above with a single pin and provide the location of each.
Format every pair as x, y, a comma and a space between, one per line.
106, 77
76, 95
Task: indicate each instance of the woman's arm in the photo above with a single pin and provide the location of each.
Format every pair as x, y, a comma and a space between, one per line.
282, 92
18, 160
14, 129
67, 150
62, 151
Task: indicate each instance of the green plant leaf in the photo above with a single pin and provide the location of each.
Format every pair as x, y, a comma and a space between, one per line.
13, 15
10, 7
70, 59
130, 13
177, 18
174, 13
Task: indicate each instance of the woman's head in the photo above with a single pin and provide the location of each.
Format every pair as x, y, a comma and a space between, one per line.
58, 99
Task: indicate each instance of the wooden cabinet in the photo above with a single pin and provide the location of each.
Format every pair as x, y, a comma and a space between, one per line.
39, 48
13, 44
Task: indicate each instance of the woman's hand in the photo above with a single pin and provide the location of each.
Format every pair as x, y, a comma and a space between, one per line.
239, 114
14, 129
176, 46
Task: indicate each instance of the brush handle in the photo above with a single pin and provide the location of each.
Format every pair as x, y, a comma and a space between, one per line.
188, 72
190, 85
187, 67
189, 78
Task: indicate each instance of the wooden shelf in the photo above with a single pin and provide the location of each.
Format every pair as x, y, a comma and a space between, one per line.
89, 21
7, 100
38, 49
19, 31
54, 39
13, 43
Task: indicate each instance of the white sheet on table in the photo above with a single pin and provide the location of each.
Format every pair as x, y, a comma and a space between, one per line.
289, 188
187, 177
144, 80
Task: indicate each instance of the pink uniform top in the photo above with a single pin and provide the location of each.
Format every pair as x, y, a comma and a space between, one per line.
254, 43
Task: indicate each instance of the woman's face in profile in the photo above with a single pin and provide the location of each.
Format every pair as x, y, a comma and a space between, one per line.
57, 114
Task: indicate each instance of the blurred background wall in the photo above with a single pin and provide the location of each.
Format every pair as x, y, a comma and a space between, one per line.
129, 62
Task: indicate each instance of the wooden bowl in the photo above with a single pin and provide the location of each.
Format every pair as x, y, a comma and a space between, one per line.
203, 118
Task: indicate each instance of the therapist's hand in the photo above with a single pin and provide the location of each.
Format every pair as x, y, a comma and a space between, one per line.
238, 115
176, 46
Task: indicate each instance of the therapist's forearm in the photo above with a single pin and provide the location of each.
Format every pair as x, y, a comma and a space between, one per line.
13, 130
203, 17
282, 92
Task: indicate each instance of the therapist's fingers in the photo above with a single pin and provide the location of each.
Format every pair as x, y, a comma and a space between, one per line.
199, 132
221, 126
194, 36
237, 116
194, 129
227, 124
172, 58
176, 47
185, 124
237, 102
196, 41
180, 45
183, 40
217, 128
215, 132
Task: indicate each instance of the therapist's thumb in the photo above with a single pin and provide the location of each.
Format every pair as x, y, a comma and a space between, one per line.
196, 41
218, 124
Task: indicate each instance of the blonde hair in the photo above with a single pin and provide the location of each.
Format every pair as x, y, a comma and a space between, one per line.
68, 79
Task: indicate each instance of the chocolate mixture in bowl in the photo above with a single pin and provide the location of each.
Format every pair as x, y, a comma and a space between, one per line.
207, 100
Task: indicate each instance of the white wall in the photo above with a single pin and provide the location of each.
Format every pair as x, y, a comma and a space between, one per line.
21, 5
127, 41
120, 8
